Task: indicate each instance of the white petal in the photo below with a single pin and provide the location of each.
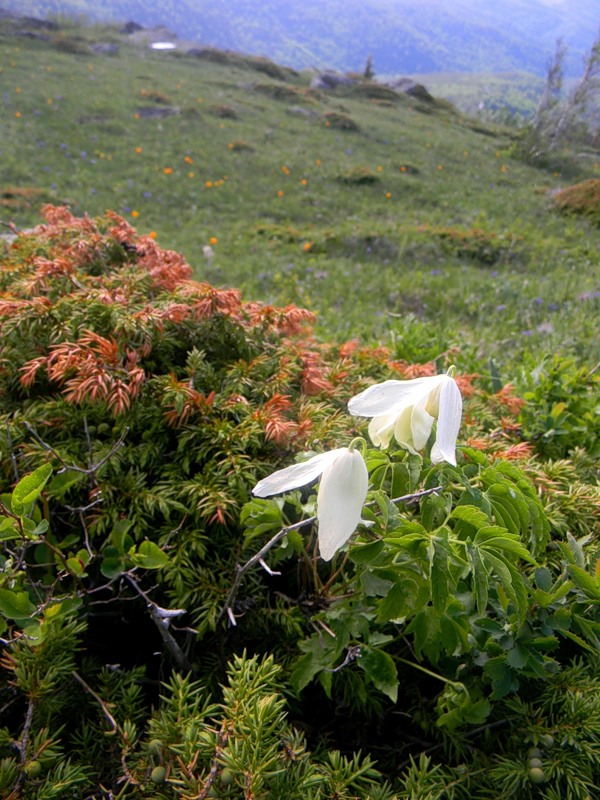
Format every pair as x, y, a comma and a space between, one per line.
390, 396
296, 475
402, 430
381, 430
421, 423
448, 423
340, 501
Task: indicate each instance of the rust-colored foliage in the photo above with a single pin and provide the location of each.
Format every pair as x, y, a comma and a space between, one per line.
582, 199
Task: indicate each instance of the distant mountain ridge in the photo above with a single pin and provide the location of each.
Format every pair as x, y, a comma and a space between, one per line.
402, 36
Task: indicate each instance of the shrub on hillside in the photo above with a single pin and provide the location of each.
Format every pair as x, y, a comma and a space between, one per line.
138, 408
581, 199
336, 119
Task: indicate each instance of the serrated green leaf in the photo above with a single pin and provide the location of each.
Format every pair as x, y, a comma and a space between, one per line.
511, 579
588, 584
438, 572
380, 669
480, 579
517, 657
365, 553
400, 601
497, 538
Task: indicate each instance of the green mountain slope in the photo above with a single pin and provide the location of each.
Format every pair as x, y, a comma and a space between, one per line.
403, 36
371, 207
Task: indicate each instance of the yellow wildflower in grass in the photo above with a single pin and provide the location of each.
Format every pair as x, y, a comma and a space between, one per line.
440, 167
285, 170
379, 168
304, 182
138, 149
388, 195
191, 174
280, 193
307, 247
167, 170
135, 214
153, 234
208, 184
188, 160
17, 114
318, 162
213, 240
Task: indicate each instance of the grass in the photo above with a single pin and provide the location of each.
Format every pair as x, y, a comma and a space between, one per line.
448, 242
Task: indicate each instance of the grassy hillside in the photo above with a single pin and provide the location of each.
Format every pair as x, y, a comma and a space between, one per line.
393, 217
167, 627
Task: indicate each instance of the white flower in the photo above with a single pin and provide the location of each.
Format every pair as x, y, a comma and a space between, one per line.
407, 411
342, 492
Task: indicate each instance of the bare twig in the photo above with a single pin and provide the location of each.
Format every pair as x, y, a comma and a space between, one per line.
94, 467
241, 570
13, 458
112, 721
161, 618
258, 558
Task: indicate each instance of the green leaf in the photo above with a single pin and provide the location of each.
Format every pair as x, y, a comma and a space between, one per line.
16, 605
8, 529
380, 669
400, 601
481, 580
150, 556
61, 483
365, 553
438, 572
29, 488
112, 564
497, 538
517, 657
588, 584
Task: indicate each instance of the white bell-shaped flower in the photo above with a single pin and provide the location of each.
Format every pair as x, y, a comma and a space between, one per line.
407, 411
341, 496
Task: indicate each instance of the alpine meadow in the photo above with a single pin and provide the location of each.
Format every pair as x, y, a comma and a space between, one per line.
299, 432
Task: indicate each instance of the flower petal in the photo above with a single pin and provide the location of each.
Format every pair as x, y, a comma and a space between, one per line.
403, 430
381, 430
390, 396
340, 501
296, 475
421, 423
448, 423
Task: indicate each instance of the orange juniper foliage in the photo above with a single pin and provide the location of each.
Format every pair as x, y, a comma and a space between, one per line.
516, 452
313, 380
183, 401
465, 384
410, 371
216, 301
91, 369
478, 443
279, 427
507, 398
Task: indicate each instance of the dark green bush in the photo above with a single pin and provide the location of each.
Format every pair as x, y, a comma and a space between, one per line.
145, 649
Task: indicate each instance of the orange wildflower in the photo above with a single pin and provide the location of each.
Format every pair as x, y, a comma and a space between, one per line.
168, 170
